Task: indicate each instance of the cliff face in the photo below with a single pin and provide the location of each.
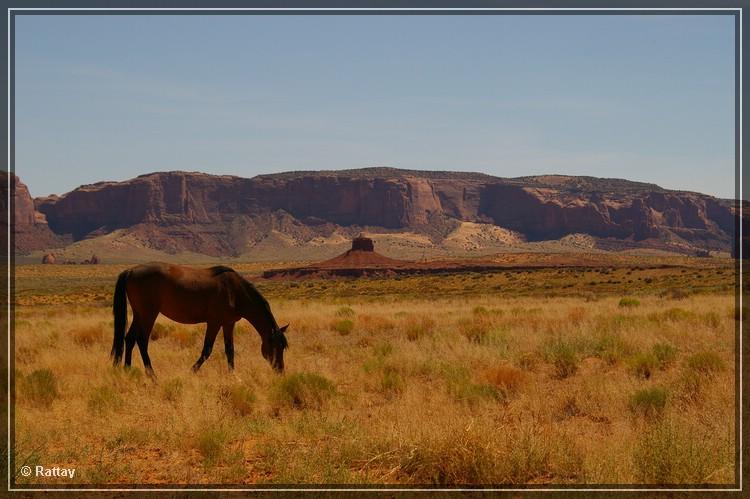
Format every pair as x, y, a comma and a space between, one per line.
30, 227
220, 214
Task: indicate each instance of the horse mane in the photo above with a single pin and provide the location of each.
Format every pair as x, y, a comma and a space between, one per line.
220, 269
254, 294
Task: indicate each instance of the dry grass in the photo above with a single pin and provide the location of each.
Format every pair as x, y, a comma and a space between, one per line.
470, 389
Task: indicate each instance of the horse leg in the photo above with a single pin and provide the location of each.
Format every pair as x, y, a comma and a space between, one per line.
208, 344
130, 342
142, 339
229, 344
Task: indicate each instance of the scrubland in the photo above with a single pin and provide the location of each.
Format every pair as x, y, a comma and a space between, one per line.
534, 377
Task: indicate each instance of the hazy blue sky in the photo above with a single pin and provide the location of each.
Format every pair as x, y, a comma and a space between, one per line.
647, 98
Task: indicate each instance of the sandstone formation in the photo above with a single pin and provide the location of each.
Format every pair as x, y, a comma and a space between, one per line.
29, 226
224, 215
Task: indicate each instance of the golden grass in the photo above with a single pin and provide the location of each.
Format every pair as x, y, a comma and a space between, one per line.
470, 389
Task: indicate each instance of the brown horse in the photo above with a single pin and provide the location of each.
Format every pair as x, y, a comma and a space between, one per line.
218, 296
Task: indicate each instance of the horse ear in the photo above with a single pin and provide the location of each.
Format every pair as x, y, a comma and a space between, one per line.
282, 329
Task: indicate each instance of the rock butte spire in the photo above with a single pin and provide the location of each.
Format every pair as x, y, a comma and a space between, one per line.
362, 243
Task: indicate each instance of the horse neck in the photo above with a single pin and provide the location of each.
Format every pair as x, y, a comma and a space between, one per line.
260, 316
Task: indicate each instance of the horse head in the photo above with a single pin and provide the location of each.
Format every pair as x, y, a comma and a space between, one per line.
273, 347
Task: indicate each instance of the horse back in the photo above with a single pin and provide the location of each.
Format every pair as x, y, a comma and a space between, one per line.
183, 294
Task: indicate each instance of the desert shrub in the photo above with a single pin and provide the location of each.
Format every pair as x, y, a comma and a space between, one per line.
628, 302
39, 388
392, 383
576, 315
689, 386
417, 328
184, 337
706, 363
463, 389
343, 327
670, 453
103, 399
676, 293
383, 349
563, 356
475, 329
665, 354
590, 297
508, 379
240, 398
711, 319
528, 361
211, 443
345, 313
649, 402
449, 457
610, 347
172, 390
87, 336
678, 315
161, 331
643, 365
302, 391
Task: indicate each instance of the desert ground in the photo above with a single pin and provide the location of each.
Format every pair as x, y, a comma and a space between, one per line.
621, 374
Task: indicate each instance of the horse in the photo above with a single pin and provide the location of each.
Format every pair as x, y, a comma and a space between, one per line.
218, 296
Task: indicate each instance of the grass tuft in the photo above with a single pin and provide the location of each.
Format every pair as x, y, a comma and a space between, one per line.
240, 399
628, 302
705, 363
40, 388
103, 399
344, 327
648, 402
302, 391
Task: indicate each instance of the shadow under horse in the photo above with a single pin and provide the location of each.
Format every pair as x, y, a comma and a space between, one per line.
218, 296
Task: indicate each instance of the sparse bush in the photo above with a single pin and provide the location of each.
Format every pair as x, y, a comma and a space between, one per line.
706, 363
161, 331
576, 315
628, 302
345, 313
419, 328
211, 444
40, 388
563, 356
649, 402
302, 391
676, 293
590, 297
172, 390
463, 389
505, 378
184, 337
670, 453
528, 361
475, 329
343, 327
103, 399
87, 336
610, 347
392, 383
711, 319
665, 354
240, 398
689, 386
678, 315
643, 365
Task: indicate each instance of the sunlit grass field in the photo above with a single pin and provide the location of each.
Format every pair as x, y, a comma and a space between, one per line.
551, 376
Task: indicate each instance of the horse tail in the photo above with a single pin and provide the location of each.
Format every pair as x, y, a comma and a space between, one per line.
120, 311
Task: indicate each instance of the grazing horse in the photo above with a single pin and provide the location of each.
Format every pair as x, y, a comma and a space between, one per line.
218, 296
